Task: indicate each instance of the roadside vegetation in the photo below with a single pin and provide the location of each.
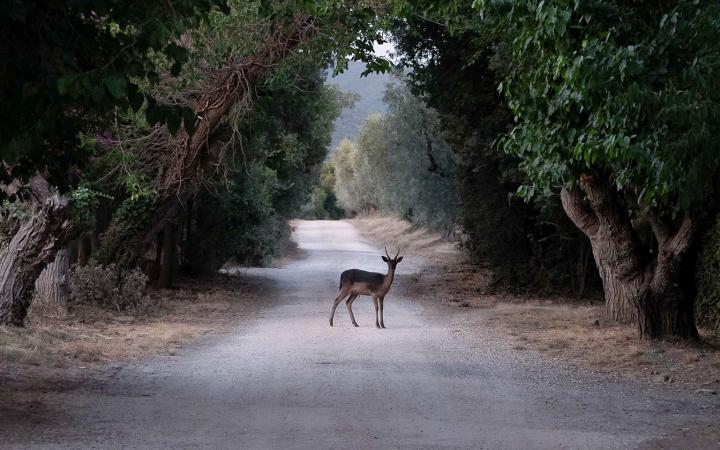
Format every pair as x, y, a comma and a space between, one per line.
571, 332
568, 148
582, 151
152, 145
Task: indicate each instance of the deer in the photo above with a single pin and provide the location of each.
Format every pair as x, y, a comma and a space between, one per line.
356, 282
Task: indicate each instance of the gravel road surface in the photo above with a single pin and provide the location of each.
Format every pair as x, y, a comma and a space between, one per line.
283, 378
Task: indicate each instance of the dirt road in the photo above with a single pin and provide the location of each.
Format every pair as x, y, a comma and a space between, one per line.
285, 379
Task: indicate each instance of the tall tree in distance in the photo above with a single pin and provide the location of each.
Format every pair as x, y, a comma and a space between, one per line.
400, 164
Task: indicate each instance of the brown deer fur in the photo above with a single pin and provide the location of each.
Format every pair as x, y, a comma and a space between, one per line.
356, 282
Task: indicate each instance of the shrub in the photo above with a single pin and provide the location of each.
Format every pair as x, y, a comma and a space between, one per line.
400, 164
105, 286
707, 304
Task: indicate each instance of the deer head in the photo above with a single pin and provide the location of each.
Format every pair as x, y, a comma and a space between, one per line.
392, 262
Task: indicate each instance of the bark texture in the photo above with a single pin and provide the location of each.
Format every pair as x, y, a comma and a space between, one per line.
644, 283
52, 288
33, 246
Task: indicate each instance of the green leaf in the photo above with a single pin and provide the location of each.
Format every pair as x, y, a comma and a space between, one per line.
135, 98
153, 112
175, 69
65, 84
116, 84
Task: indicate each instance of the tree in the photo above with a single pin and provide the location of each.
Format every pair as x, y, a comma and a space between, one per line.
283, 145
65, 68
400, 164
52, 288
180, 163
452, 62
323, 201
66, 65
36, 225
616, 106
351, 183
232, 57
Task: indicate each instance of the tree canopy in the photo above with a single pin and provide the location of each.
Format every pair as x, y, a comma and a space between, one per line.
67, 65
624, 92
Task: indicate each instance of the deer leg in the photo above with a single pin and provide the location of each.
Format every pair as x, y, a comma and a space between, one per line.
349, 307
382, 321
339, 298
375, 302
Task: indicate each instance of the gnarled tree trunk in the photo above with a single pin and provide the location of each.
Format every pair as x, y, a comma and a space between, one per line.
32, 247
641, 284
52, 286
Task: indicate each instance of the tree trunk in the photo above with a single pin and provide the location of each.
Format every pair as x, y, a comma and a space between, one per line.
618, 292
52, 286
614, 247
84, 249
669, 308
169, 256
32, 247
667, 316
641, 285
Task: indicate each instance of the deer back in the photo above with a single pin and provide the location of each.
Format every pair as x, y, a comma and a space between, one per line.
373, 280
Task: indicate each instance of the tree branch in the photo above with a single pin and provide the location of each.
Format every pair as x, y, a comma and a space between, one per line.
660, 229
579, 212
685, 235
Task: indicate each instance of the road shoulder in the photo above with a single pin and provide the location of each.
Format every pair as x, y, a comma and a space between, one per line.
570, 332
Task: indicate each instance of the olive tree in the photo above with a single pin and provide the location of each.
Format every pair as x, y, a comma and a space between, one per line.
400, 164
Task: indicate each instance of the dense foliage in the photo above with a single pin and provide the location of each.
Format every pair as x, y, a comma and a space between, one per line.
449, 52
615, 106
400, 164
323, 201
67, 65
275, 168
624, 92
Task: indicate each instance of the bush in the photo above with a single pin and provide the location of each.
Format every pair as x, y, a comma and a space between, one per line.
400, 164
707, 304
105, 286
323, 204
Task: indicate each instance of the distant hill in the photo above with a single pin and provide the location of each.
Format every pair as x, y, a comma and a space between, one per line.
370, 89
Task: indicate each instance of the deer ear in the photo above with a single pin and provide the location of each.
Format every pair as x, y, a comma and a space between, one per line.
399, 259
385, 259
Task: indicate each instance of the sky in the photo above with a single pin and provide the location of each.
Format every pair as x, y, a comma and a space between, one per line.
370, 90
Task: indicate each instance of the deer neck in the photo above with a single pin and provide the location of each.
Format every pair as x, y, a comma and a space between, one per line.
388, 280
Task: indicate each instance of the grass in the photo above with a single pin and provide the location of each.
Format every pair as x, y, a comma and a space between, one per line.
561, 328
568, 332
90, 335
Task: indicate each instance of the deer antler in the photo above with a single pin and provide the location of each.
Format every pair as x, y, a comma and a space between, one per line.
396, 254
